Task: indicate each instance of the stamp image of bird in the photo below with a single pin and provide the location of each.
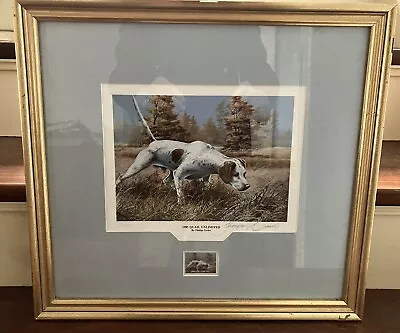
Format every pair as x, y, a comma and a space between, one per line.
202, 158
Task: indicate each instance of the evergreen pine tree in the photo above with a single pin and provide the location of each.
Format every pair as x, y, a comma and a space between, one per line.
163, 120
189, 123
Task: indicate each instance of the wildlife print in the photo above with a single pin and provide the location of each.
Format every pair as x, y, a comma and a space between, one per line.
202, 158
200, 263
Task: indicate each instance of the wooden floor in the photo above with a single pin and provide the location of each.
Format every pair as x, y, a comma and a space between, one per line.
382, 315
389, 176
12, 178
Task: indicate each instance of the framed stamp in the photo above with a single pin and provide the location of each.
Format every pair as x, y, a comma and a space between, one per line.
200, 263
175, 141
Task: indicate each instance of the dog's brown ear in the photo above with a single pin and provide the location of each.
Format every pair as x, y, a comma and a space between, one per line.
241, 160
176, 155
226, 171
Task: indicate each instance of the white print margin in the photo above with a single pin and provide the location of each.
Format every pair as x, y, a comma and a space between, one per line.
202, 230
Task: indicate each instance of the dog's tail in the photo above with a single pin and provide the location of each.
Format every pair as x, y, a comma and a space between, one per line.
144, 122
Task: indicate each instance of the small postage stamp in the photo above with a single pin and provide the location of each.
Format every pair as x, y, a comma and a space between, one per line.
200, 263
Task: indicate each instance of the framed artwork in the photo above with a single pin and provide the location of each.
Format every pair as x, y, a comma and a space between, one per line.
267, 159
231, 149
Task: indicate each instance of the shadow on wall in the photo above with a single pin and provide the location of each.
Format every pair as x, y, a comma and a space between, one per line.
197, 56
192, 56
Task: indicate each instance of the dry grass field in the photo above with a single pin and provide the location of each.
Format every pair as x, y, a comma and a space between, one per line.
145, 197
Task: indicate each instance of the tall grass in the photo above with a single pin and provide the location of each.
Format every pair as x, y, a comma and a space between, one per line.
146, 198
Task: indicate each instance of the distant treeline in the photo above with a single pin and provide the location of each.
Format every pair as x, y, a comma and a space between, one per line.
238, 126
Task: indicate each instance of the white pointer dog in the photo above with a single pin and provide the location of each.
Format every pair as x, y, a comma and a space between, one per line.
195, 160
198, 266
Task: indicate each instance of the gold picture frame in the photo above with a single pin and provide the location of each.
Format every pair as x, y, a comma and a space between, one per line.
380, 19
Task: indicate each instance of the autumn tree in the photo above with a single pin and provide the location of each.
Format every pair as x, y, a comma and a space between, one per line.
185, 121
238, 124
126, 133
136, 135
193, 128
120, 132
221, 112
209, 132
261, 117
163, 120
189, 123
274, 127
261, 129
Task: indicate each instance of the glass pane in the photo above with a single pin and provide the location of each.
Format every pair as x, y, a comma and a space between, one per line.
328, 63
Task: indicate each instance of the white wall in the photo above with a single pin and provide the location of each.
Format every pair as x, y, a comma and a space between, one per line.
6, 20
15, 269
392, 121
9, 115
384, 262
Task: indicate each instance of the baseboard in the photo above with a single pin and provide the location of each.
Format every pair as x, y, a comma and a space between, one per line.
395, 70
13, 207
387, 211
